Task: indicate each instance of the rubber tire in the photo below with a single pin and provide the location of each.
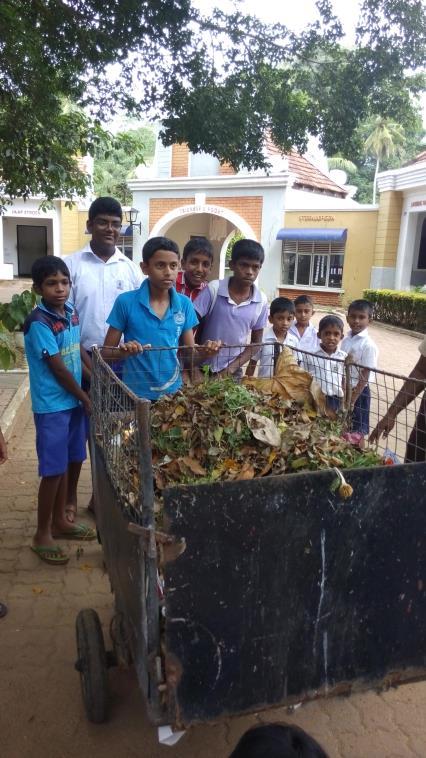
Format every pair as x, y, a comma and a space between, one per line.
92, 665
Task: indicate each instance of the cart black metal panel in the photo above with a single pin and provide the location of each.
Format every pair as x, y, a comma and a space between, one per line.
287, 592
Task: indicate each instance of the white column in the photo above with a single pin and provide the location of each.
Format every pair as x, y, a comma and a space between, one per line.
404, 261
6, 269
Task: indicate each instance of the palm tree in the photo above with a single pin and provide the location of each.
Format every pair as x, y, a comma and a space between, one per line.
383, 138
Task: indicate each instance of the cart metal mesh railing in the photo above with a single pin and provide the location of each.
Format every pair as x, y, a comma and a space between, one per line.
117, 405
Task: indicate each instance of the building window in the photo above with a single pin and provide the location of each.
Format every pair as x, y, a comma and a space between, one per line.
312, 264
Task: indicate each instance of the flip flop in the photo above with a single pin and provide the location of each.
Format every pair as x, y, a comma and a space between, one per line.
3, 610
80, 532
52, 554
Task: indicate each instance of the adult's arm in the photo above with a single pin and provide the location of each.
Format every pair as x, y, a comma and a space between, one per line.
409, 390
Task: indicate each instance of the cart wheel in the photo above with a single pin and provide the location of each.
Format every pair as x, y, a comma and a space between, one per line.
92, 665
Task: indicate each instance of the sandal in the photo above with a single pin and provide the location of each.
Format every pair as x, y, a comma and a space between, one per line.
80, 532
3, 610
50, 554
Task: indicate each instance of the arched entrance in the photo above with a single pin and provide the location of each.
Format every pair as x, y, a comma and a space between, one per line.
215, 222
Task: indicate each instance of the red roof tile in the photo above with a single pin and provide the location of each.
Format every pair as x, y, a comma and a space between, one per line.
420, 158
306, 174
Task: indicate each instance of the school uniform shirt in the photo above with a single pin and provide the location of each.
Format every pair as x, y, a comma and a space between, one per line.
46, 333
95, 285
266, 354
329, 370
363, 351
309, 340
152, 373
230, 322
184, 289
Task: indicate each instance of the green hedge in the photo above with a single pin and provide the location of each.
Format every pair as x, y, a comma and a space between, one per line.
406, 309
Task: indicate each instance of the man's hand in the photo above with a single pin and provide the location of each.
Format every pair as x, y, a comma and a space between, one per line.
3, 449
385, 425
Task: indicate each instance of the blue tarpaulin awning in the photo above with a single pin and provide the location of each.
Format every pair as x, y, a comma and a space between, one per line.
313, 235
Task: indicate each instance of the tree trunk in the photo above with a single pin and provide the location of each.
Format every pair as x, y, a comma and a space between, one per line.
375, 179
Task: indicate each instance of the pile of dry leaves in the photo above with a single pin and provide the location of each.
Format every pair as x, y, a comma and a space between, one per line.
220, 430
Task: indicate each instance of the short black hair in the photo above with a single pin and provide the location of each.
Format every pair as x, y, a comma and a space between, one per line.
158, 243
331, 320
198, 245
46, 266
247, 249
108, 205
361, 305
281, 304
277, 741
303, 300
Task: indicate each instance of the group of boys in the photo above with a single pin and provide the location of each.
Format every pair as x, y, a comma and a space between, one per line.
322, 351
173, 307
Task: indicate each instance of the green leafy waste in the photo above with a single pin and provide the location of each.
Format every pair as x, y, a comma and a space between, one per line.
220, 431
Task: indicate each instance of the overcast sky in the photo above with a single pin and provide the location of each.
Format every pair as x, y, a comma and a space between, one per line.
292, 13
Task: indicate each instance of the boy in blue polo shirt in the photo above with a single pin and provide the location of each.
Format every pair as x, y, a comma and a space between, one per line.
156, 316
52, 345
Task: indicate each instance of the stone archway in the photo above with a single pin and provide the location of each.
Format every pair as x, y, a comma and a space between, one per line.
215, 222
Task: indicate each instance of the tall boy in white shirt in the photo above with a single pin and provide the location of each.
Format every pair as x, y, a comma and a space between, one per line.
363, 351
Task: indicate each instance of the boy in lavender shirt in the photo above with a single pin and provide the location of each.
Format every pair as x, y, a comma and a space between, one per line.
234, 310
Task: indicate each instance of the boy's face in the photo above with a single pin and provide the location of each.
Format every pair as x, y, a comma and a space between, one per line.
245, 270
162, 269
105, 230
197, 268
281, 322
55, 290
304, 313
330, 338
358, 321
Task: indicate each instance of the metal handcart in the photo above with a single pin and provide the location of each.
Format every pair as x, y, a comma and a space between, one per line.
275, 591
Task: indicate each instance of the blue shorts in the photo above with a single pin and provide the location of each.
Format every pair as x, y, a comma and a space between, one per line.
361, 412
60, 440
333, 402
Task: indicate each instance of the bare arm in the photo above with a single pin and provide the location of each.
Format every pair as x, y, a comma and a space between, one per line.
86, 364
66, 379
409, 390
251, 367
112, 350
362, 383
247, 354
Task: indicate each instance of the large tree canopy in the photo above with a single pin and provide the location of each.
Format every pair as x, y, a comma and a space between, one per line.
217, 83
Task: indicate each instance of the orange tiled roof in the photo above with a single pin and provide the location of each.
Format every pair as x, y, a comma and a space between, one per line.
420, 158
306, 174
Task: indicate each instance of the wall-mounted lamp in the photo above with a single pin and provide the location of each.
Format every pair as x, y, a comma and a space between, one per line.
131, 216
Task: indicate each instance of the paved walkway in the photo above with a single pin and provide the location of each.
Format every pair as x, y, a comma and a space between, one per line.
40, 703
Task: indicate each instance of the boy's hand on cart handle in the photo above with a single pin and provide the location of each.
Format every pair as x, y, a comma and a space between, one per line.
133, 347
210, 347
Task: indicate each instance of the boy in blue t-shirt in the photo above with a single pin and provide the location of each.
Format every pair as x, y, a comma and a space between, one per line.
52, 345
154, 316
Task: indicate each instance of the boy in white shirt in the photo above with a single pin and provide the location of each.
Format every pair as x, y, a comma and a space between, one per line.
281, 317
363, 351
304, 332
327, 365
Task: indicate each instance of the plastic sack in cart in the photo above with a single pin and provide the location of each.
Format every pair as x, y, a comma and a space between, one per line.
390, 458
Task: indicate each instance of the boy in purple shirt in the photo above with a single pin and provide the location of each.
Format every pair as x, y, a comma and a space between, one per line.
234, 310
